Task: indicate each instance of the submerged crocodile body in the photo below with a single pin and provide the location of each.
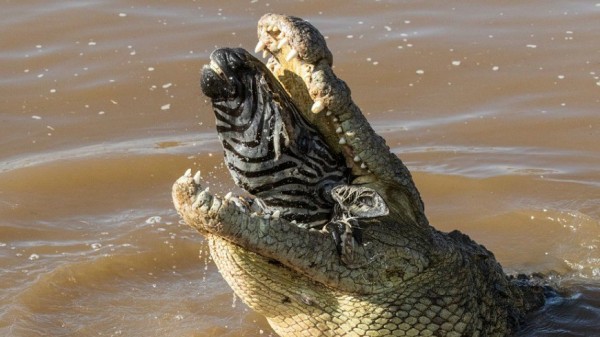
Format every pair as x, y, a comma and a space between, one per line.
334, 241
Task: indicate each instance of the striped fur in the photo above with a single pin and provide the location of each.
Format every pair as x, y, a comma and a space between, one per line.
270, 150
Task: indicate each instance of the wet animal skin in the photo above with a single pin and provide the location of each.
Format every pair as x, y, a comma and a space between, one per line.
398, 276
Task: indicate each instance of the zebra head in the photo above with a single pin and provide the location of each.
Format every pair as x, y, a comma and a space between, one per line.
270, 150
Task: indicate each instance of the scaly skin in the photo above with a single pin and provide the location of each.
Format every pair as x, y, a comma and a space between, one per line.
407, 279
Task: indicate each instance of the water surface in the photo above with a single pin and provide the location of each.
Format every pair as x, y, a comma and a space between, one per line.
494, 106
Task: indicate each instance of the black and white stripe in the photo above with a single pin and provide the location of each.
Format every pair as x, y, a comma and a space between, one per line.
273, 153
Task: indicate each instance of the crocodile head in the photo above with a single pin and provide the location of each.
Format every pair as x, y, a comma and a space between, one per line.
319, 174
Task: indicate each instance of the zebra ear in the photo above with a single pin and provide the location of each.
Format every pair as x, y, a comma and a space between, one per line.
359, 201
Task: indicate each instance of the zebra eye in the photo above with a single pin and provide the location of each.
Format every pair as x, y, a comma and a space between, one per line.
303, 144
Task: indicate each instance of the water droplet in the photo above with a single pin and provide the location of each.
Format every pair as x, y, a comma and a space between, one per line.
153, 220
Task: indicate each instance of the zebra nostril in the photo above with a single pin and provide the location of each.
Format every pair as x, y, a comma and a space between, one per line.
234, 63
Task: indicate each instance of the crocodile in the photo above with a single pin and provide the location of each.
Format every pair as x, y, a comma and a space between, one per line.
331, 238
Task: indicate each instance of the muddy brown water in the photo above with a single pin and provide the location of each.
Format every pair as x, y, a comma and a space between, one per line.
494, 106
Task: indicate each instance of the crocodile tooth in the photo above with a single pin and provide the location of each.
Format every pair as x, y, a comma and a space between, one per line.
350, 134
317, 107
253, 215
357, 158
280, 36
197, 178
282, 43
294, 222
339, 130
328, 113
188, 173
276, 214
227, 196
293, 53
206, 189
335, 119
265, 53
197, 200
203, 198
342, 141
259, 46
267, 216
363, 166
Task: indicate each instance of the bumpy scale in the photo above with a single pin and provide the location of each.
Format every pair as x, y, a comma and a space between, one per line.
406, 278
